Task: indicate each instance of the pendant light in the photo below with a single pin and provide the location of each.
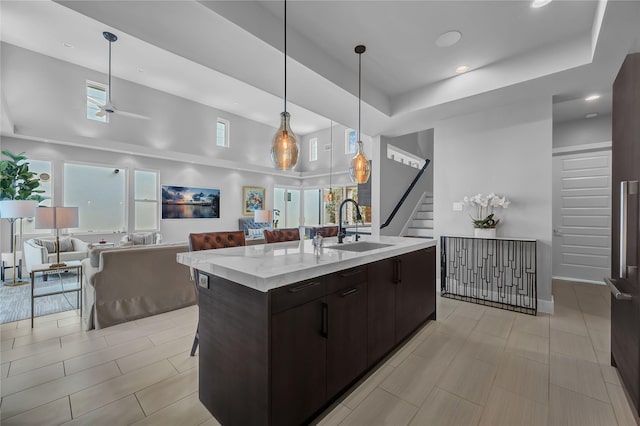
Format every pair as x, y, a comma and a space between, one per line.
360, 169
284, 148
330, 197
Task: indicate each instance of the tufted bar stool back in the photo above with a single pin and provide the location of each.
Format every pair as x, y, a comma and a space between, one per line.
282, 235
209, 241
326, 231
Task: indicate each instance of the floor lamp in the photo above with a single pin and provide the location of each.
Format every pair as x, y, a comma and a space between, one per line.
14, 210
57, 218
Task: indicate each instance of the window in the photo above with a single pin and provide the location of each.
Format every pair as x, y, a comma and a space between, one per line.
100, 194
96, 97
350, 141
145, 189
313, 149
331, 207
312, 207
42, 169
222, 133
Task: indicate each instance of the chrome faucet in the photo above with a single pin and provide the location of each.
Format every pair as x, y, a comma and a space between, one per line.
341, 232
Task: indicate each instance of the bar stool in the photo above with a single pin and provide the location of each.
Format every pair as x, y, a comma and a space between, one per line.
209, 241
281, 235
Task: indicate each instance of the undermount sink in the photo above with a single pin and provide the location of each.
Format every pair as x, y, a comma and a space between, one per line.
359, 246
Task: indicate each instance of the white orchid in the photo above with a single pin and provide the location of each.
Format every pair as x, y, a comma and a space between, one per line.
484, 206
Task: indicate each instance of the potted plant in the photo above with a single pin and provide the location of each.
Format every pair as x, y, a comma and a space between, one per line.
17, 182
485, 222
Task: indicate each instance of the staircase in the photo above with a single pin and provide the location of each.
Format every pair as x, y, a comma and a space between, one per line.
421, 224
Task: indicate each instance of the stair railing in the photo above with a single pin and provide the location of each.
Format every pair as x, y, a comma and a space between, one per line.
406, 194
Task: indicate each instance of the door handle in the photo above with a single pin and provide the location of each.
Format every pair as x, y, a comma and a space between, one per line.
615, 292
626, 188
557, 232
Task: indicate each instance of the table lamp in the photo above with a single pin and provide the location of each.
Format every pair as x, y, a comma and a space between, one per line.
14, 210
262, 216
57, 218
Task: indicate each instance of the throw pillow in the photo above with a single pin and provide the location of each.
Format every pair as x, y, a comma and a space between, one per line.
66, 244
142, 238
50, 245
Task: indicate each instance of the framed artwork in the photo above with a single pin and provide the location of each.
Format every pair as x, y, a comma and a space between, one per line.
252, 200
188, 202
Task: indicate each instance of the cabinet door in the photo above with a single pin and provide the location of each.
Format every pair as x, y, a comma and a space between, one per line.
298, 365
381, 304
415, 292
347, 336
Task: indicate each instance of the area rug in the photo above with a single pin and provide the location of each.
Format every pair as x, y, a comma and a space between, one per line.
15, 302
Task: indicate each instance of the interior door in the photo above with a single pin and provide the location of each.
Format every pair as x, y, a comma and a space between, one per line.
582, 216
624, 281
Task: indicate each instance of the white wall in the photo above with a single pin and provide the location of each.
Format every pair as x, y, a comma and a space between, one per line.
395, 178
506, 150
48, 100
341, 161
583, 131
230, 183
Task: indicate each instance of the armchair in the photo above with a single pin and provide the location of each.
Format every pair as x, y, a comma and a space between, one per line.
38, 251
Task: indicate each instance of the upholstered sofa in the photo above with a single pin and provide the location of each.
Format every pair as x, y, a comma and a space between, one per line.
252, 230
37, 253
124, 284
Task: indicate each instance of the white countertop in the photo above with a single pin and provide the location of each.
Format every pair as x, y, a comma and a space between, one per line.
268, 266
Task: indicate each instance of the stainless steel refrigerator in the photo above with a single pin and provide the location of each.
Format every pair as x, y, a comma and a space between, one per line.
625, 253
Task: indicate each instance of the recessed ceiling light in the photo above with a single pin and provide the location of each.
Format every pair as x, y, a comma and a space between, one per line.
448, 39
539, 3
591, 115
462, 69
592, 97
140, 70
67, 44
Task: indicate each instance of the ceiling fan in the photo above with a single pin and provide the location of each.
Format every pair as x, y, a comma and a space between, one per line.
109, 107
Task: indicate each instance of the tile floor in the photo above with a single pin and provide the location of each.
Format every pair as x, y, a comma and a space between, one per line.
474, 366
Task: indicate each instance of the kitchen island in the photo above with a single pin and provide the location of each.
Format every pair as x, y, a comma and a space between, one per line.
286, 328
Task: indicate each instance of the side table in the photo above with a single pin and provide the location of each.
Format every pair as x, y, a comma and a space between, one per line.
46, 269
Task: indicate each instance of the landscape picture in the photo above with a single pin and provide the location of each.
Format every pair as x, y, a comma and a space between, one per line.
186, 202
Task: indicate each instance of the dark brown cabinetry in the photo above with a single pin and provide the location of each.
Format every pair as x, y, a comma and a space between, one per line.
298, 363
401, 296
302, 344
625, 233
415, 300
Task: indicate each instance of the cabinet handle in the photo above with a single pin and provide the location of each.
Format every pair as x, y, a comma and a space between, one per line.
348, 292
303, 286
351, 273
324, 330
397, 273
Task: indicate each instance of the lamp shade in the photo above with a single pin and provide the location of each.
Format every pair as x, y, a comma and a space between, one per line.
14, 209
57, 217
262, 216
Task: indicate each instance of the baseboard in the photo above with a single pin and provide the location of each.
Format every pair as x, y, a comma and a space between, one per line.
546, 306
578, 280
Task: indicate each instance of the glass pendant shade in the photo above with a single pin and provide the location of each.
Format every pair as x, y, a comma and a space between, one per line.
330, 196
284, 149
360, 168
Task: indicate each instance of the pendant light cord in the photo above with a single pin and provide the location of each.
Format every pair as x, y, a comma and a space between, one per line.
359, 91
331, 158
285, 55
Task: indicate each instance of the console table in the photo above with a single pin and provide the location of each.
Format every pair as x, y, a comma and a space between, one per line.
498, 272
46, 269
